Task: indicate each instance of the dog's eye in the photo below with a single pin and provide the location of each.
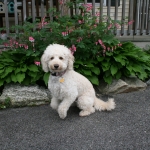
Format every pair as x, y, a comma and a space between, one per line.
52, 58
60, 58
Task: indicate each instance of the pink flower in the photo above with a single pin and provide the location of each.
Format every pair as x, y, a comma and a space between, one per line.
87, 6
100, 42
37, 63
108, 48
109, 26
97, 14
96, 21
31, 39
104, 47
96, 43
79, 21
79, 39
73, 49
117, 25
64, 33
70, 31
61, 2
5, 44
119, 44
130, 22
42, 23
20, 45
25, 46
95, 25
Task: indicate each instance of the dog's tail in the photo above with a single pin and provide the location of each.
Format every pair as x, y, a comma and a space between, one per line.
101, 105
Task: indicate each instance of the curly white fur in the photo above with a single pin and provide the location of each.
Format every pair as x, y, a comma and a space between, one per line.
68, 86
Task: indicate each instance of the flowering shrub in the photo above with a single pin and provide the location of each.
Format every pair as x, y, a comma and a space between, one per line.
98, 54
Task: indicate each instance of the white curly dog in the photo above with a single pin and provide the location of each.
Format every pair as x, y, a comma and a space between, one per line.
68, 86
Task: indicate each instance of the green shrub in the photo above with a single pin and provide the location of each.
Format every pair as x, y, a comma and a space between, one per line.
98, 54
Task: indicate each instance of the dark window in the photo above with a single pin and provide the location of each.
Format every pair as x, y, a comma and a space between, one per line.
90, 1
113, 3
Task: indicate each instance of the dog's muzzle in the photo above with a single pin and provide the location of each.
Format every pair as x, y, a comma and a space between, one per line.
56, 66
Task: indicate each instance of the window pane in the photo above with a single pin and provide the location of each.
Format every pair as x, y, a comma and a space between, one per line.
90, 1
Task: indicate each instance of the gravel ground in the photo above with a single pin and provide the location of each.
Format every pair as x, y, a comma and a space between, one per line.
40, 128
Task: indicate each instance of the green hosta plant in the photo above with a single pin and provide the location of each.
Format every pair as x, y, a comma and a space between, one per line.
127, 60
18, 66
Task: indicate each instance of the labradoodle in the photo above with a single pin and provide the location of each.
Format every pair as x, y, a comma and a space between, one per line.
68, 86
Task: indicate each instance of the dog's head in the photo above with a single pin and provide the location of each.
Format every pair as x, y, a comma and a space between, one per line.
57, 58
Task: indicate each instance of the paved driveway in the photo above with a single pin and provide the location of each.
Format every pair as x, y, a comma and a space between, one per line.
40, 128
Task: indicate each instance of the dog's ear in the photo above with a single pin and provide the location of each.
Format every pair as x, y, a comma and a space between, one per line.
71, 61
44, 62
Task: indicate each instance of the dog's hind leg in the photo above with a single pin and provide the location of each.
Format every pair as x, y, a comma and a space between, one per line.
85, 103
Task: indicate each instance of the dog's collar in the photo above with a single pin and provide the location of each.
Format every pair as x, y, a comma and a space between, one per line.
58, 74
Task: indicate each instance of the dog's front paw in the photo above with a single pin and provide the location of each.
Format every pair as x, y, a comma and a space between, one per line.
54, 106
62, 113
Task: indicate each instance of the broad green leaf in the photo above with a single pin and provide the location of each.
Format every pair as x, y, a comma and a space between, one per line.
33, 68
113, 69
1, 70
105, 66
46, 78
109, 53
26, 81
9, 69
89, 65
107, 73
94, 79
120, 59
7, 60
96, 70
20, 77
1, 66
108, 79
6, 54
8, 79
13, 78
6, 72
129, 67
118, 75
76, 66
17, 70
81, 45
78, 62
137, 68
36, 78
24, 68
32, 74
100, 58
142, 75
87, 72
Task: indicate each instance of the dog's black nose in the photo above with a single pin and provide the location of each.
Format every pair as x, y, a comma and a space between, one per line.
56, 66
